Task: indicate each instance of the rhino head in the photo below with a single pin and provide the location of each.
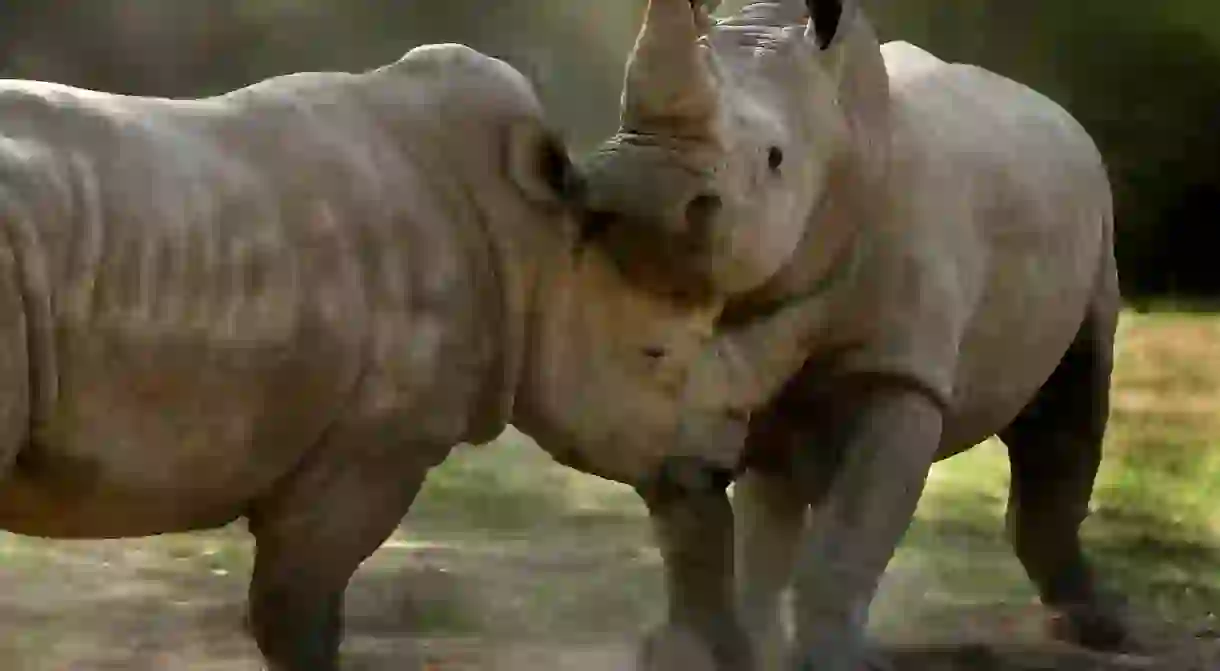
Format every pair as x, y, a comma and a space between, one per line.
732, 133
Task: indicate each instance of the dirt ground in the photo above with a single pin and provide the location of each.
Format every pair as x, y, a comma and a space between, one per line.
500, 602
509, 562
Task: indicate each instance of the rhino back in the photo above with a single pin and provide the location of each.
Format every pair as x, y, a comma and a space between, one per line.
222, 275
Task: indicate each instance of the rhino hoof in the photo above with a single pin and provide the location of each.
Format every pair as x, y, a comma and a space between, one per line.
869, 658
673, 648
875, 660
1098, 629
677, 648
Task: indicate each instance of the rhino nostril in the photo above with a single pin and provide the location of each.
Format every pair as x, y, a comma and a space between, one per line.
702, 209
738, 414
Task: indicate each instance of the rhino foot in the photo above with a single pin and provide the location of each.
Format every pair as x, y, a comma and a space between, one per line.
1098, 627
681, 648
870, 659
876, 660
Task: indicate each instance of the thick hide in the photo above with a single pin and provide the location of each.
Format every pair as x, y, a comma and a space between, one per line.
209, 284
947, 236
289, 302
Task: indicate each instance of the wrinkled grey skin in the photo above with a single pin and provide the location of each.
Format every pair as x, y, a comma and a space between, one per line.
289, 302
957, 228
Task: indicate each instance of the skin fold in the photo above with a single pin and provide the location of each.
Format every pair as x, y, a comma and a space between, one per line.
947, 234
287, 303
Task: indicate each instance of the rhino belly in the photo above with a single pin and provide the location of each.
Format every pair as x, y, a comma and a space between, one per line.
1012, 347
166, 429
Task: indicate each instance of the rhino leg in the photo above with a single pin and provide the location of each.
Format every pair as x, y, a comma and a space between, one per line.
770, 513
311, 535
1055, 447
770, 507
693, 523
886, 434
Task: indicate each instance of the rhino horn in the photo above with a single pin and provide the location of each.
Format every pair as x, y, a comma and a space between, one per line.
669, 88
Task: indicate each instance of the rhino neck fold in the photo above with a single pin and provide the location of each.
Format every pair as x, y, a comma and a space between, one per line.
837, 242
506, 247
510, 270
498, 272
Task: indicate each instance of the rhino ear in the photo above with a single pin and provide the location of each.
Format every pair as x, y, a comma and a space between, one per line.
539, 165
825, 16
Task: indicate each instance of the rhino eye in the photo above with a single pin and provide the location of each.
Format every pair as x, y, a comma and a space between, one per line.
775, 158
654, 352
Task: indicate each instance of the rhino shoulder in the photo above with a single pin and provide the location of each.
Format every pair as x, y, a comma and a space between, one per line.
903, 59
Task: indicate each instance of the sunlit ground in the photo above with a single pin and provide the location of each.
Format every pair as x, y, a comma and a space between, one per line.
511, 562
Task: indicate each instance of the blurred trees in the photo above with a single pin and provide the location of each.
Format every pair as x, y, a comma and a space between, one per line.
573, 49
1143, 77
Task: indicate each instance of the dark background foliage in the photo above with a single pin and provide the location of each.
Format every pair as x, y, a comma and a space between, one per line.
1143, 76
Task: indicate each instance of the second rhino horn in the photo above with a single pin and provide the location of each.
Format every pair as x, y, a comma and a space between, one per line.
669, 89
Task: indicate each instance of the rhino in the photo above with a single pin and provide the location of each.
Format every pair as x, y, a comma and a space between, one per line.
288, 302
950, 233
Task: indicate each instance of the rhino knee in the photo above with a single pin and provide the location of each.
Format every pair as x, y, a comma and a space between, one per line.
682, 476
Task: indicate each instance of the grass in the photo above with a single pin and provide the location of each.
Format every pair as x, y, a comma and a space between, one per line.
1154, 531
504, 544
